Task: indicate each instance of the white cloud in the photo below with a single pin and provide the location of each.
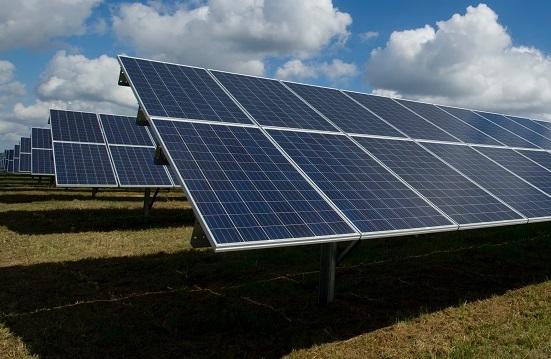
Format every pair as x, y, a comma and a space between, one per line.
229, 34
9, 89
368, 36
468, 61
335, 71
34, 23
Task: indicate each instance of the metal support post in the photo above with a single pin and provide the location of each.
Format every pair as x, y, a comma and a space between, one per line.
328, 264
146, 206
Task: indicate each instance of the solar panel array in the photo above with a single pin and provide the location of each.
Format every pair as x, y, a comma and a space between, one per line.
25, 155
92, 150
268, 163
42, 158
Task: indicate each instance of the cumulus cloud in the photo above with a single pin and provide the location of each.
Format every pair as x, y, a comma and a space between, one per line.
230, 34
9, 89
335, 71
469, 61
32, 24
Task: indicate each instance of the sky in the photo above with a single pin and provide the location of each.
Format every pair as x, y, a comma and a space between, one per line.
493, 56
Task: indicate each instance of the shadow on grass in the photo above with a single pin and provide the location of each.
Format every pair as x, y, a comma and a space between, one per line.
96, 220
262, 303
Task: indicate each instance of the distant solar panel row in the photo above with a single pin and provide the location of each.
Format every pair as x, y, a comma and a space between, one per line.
103, 151
42, 158
267, 163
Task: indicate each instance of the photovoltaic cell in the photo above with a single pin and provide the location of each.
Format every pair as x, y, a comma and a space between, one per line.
41, 138
83, 164
520, 165
400, 117
176, 91
462, 200
343, 111
134, 167
122, 130
42, 162
533, 125
370, 196
244, 189
526, 199
270, 103
25, 162
75, 126
517, 129
25, 145
499, 133
541, 157
449, 123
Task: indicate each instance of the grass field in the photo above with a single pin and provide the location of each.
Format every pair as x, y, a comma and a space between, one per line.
86, 278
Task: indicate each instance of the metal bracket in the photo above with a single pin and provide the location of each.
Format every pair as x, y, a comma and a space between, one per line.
160, 158
123, 81
141, 120
198, 237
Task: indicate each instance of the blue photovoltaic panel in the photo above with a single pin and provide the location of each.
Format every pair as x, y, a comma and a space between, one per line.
344, 112
534, 125
25, 145
25, 162
370, 196
42, 162
502, 135
75, 126
543, 158
400, 117
520, 195
449, 123
244, 190
545, 124
41, 138
81, 164
270, 103
462, 200
520, 165
16, 151
16, 165
517, 129
134, 167
176, 91
122, 130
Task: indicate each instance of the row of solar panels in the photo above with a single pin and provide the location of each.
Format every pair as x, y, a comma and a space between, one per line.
272, 163
90, 150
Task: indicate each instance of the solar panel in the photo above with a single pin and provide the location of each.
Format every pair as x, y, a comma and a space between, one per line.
372, 198
42, 162
534, 125
122, 130
25, 163
168, 90
402, 118
10, 157
270, 103
41, 138
244, 190
462, 200
16, 154
74, 126
529, 201
344, 112
25, 145
451, 124
83, 164
491, 129
543, 158
518, 129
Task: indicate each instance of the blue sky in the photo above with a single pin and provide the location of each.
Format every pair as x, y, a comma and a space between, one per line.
493, 56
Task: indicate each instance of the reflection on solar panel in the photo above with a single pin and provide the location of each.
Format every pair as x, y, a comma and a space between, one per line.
244, 189
400, 117
270, 103
451, 124
343, 111
462, 200
374, 200
517, 129
270, 163
491, 129
42, 157
132, 151
529, 201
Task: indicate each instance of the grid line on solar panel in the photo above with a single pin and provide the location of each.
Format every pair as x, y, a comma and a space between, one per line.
123, 130
245, 190
169, 90
342, 111
401, 117
41, 138
529, 201
72, 126
451, 124
491, 129
520, 165
42, 162
135, 167
519, 130
83, 164
533, 125
270, 103
370, 196
458, 197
